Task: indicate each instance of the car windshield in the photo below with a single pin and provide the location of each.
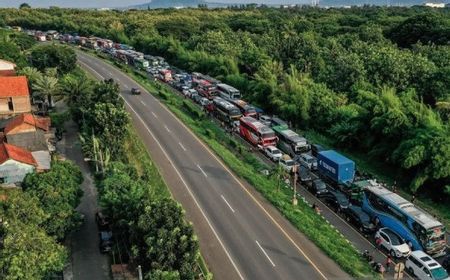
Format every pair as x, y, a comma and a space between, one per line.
290, 163
276, 152
439, 273
269, 134
320, 185
395, 240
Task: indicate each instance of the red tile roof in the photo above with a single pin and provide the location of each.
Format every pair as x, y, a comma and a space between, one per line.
14, 86
7, 73
38, 122
8, 151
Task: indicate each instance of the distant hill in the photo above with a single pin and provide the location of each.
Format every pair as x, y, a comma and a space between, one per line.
156, 4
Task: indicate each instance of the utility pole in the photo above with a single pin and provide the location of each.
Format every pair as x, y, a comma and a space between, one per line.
294, 199
140, 272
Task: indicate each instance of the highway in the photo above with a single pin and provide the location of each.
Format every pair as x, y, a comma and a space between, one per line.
241, 235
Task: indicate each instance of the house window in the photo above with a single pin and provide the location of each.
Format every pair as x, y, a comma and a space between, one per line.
10, 104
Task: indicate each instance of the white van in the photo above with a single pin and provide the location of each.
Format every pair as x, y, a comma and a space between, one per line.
424, 267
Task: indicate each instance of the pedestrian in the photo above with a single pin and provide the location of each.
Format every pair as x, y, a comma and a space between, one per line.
378, 242
413, 198
388, 263
317, 210
394, 187
313, 206
381, 269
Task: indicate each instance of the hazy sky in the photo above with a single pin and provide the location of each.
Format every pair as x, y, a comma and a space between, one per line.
114, 3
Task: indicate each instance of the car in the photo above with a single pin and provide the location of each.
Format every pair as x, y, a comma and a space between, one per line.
318, 188
446, 263
273, 153
423, 267
315, 149
336, 200
393, 243
356, 216
307, 160
275, 121
135, 91
287, 163
196, 97
304, 175
204, 101
102, 221
265, 119
105, 241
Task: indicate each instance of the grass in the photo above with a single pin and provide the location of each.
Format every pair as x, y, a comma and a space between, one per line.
248, 167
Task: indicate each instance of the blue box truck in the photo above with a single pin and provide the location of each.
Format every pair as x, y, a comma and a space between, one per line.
336, 167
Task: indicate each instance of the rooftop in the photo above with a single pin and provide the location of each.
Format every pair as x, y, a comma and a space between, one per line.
27, 118
8, 151
14, 86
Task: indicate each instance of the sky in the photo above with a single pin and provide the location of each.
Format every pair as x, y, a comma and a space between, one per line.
113, 3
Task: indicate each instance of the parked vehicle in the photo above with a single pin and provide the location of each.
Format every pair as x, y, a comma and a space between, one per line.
246, 110
189, 92
256, 133
315, 149
336, 200
446, 263
289, 141
304, 175
275, 121
318, 188
355, 215
393, 243
287, 163
225, 111
196, 98
308, 161
423, 267
420, 229
335, 167
265, 120
135, 91
102, 221
273, 153
204, 101
105, 241
228, 92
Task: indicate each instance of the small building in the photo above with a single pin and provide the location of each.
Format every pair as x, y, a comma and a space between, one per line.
7, 68
15, 164
14, 96
434, 5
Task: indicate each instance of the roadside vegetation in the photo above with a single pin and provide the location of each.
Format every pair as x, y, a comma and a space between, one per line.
36, 219
372, 81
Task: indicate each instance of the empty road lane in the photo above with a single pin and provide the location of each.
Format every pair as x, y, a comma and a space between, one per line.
254, 241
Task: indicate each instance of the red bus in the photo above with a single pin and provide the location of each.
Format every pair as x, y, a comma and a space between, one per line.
205, 88
256, 132
247, 110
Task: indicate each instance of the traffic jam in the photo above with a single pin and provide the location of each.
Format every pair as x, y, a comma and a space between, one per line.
398, 227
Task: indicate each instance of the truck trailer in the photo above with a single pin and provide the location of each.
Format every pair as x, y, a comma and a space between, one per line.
335, 167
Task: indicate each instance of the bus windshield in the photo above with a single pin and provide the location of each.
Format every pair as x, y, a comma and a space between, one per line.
268, 134
235, 112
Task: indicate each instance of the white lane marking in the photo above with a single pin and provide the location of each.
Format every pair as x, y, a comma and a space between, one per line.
154, 115
95, 72
181, 145
143, 103
232, 210
110, 73
206, 175
125, 86
267, 256
168, 130
188, 189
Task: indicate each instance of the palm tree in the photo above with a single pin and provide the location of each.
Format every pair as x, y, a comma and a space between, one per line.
280, 174
31, 73
74, 88
46, 88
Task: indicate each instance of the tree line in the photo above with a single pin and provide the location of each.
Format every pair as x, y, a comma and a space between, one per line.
372, 79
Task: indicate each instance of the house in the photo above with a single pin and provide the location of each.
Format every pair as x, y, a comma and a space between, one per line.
15, 164
7, 68
32, 133
434, 5
14, 96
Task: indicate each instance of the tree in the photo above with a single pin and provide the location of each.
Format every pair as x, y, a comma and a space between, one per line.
53, 56
59, 193
24, 6
27, 251
46, 88
168, 242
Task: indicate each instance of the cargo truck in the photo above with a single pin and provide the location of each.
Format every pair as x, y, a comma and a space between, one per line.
335, 168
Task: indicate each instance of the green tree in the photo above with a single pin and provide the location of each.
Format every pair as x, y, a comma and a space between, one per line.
27, 251
24, 6
59, 193
53, 56
46, 88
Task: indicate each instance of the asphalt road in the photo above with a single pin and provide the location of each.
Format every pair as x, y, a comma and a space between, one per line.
251, 240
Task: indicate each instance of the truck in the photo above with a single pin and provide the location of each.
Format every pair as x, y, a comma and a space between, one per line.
335, 168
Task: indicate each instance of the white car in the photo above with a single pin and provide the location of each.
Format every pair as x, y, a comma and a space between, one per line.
424, 267
189, 92
273, 153
204, 101
287, 163
393, 243
265, 120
